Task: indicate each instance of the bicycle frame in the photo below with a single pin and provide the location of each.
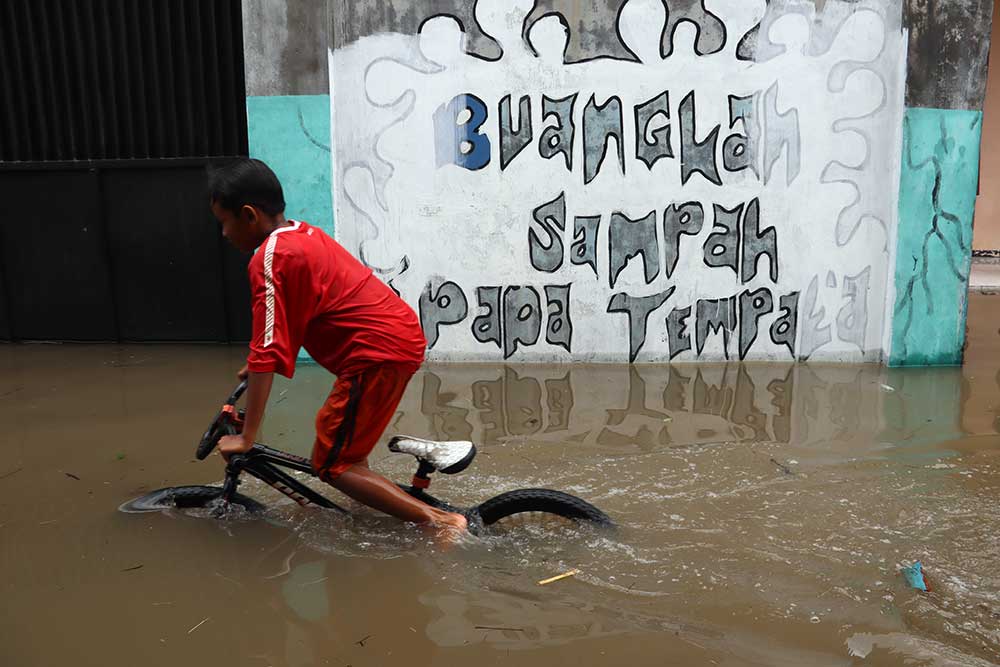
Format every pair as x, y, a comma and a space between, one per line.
267, 464
263, 462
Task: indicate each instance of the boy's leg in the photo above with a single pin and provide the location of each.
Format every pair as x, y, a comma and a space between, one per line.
374, 490
349, 425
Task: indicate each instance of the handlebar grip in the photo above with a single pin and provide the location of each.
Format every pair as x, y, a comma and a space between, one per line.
211, 438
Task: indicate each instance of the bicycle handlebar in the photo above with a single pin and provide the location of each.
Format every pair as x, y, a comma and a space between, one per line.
223, 424
237, 393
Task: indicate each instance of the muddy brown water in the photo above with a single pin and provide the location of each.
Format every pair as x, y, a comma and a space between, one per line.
764, 513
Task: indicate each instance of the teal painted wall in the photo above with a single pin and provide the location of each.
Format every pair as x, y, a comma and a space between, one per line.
937, 197
291, 133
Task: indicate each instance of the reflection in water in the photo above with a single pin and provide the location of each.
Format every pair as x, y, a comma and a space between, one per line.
447, 422
649, 407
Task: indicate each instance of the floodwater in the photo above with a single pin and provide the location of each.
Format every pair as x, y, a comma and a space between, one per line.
764, 513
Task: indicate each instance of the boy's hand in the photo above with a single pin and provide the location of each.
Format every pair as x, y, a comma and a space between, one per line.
244, 373
234, 444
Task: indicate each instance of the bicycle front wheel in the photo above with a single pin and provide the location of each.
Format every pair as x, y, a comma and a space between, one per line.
540, 506
187, 497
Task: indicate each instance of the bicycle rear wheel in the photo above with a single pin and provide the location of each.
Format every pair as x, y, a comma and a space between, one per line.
541, 506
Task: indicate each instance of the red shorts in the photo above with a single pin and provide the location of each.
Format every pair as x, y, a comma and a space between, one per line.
355, 415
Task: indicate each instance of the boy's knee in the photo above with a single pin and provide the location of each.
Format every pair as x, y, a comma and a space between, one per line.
324, 469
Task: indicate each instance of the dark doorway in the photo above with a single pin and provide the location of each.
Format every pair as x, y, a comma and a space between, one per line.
112, 111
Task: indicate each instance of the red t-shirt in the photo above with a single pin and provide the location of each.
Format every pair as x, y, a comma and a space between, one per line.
308, 291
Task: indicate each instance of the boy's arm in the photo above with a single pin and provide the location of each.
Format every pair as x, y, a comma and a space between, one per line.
258, 390
272, 277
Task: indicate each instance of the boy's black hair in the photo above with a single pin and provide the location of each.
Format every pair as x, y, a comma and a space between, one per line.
246, 181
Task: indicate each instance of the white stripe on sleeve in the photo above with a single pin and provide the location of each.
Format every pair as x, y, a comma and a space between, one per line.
272, 241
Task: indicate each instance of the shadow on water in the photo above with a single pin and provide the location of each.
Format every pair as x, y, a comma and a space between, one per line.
764, 509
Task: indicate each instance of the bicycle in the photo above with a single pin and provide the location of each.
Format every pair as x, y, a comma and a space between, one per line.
265, 463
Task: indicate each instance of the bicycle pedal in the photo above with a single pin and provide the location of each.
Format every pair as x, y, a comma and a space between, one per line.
447, 457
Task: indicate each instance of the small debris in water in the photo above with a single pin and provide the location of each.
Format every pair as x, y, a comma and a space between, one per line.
286, 567
491, 627
317, 581
785, 469
914, 576
120, 456
12, 472
361, 642
127, 364
199, 625
134, 567
814, 619
69, 474
219, 574
564, 575
887, 388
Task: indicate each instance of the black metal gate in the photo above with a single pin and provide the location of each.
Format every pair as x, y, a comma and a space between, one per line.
110, 111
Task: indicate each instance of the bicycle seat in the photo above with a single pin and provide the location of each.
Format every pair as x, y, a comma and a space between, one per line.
447, 457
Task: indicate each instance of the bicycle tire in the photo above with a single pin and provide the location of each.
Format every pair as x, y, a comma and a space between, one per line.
545, 501
186, 497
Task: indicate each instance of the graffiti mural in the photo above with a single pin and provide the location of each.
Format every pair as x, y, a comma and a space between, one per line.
717, 181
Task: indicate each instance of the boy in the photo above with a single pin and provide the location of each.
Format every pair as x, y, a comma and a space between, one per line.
308, 291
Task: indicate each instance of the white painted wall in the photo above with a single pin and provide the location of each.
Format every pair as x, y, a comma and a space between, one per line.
422, 225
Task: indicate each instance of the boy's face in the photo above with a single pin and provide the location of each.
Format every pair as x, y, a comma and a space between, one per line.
239, 227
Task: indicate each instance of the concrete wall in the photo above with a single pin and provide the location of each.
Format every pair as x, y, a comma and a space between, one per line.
860, 141
946, 82
724, 184
949, 41
285, 44
288, 101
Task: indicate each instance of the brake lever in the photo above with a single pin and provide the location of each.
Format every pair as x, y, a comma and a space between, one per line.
234, 419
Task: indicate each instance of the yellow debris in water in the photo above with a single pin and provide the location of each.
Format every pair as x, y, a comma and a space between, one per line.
571, 573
